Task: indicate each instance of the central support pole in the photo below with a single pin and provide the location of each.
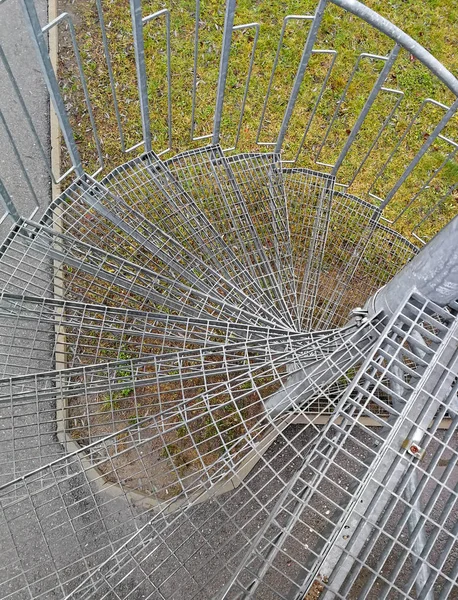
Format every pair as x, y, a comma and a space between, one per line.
433, 273
223, 66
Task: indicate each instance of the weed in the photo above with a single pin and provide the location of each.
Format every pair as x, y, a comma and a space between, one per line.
110, 403
182, 431
126, 392
133, 420
169, 451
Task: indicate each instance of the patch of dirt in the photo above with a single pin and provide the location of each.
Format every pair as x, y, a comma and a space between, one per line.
315, 591
163, 448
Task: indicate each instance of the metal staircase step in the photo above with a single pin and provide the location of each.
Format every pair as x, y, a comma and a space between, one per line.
79, 333
309, 199
337, 239
146, 184
260, 179
88, 211
90, 274
207, 175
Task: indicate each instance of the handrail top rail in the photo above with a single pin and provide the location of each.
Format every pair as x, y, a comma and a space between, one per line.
400, 37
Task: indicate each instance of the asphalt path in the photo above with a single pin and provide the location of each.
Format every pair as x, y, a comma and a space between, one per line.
21, 57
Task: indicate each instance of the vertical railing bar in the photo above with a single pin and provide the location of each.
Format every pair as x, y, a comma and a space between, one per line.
274, 68
269, 87
429, 142
139, 46
402, 138
169, 79
194, 77
319, 97
366, 108
223, 68
26, 112
17, 154
9, 205
38, 39
438, 203
110, 73
380, 131
335, 114
307, 53
450, 156
79, 64
145, 20
340, 102
248, 78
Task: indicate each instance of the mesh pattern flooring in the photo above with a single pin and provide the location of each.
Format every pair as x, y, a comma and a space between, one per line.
185, 326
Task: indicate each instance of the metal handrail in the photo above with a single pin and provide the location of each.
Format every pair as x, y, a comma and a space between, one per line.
400, 37
213, 135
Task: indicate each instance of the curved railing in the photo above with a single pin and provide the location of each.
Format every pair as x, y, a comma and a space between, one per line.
346, 113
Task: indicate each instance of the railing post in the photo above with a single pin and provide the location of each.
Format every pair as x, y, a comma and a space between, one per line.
5, 199
39, 41
306, 54
366, 108
223, 65
139, 46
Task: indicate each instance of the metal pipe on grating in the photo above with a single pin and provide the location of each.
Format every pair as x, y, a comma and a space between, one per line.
224, 62
139, 46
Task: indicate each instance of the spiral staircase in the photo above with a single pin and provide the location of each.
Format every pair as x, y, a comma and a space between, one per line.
226, 375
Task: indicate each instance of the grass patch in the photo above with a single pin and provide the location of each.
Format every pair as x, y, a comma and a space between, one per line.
431, 22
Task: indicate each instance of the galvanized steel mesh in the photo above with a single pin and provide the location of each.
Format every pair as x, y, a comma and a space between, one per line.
200, 396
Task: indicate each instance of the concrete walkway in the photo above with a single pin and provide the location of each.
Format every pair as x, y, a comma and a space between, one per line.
20, 54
